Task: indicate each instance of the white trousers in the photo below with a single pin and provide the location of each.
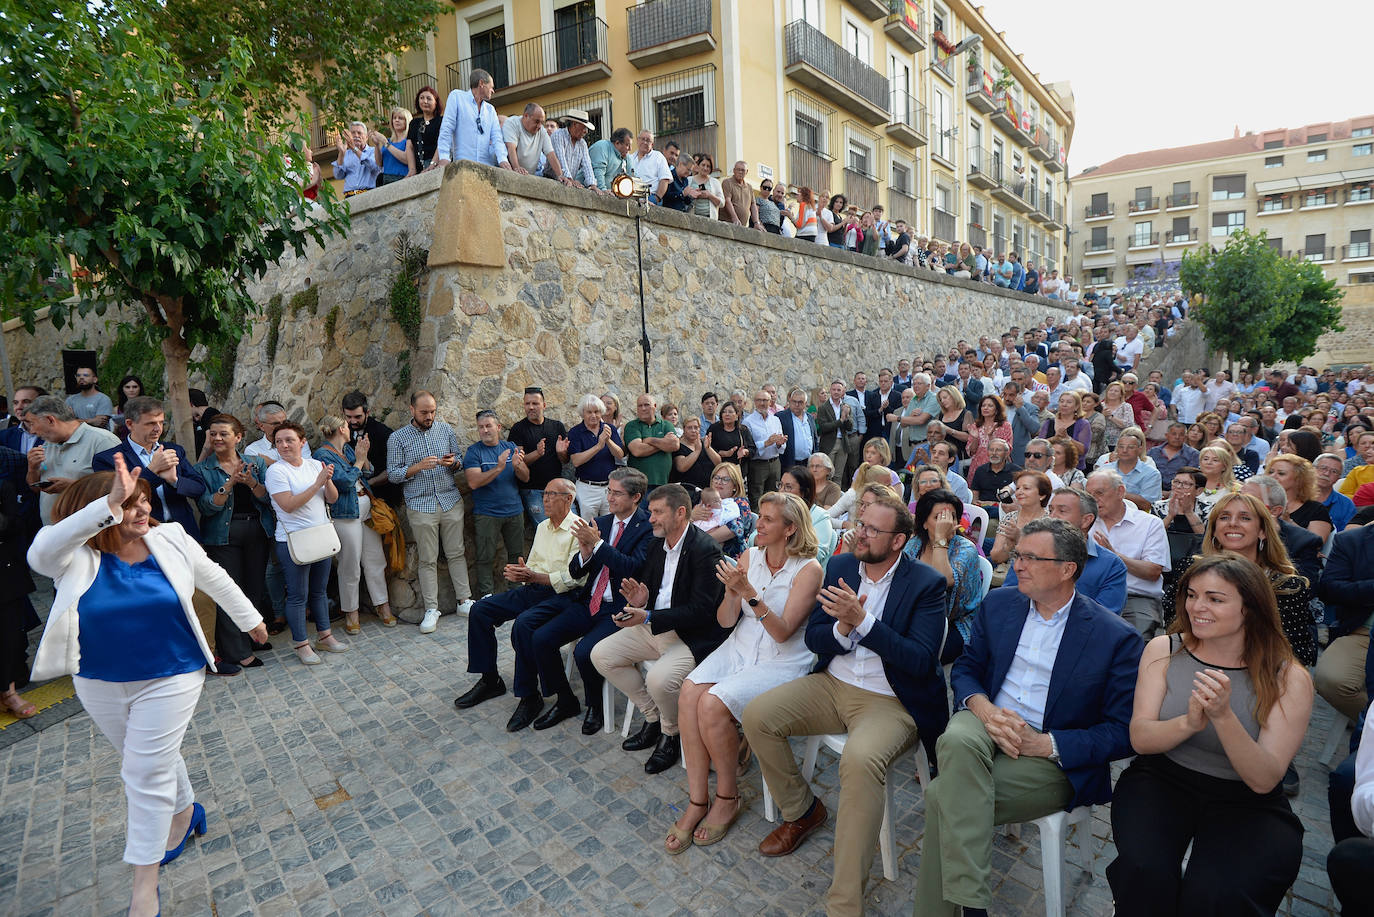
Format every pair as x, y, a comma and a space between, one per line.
591, 500
360, 558
145, 722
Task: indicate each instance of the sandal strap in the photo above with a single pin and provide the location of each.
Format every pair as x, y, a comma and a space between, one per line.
728, 798
693, 802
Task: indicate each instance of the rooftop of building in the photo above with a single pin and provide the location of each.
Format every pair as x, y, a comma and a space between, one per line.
1236, 145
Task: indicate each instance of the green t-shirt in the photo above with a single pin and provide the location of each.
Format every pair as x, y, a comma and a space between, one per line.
656, 466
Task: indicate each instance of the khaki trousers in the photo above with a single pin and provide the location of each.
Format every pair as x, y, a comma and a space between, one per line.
979, 788
429, 529
1340, 673
879, 731
655, 694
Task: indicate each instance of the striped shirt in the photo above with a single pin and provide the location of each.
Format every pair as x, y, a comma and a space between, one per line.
429, 491
573, 157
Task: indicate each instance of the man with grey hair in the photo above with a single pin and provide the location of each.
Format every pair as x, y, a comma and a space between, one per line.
267, 416
1138, 538
649, 166
1142, 479
356, 165
527, 142
1104, 574
69, 447
470, 129
1039, 456
915, 417
1304, 548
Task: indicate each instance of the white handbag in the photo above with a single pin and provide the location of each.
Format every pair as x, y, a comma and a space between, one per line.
307, 546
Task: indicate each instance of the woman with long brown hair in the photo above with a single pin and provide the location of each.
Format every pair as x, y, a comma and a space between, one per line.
989, 423
1221, 707
1239, 523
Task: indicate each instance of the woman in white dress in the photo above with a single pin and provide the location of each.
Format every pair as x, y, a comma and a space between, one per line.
768, 597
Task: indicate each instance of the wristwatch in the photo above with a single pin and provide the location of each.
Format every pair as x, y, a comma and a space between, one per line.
222, 492
1054, 749
941, 543
754, 602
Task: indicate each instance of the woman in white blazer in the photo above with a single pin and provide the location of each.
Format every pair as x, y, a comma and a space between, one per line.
122, 625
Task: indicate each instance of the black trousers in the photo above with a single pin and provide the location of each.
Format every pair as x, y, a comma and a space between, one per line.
244, 558
1247, 846
1350, 864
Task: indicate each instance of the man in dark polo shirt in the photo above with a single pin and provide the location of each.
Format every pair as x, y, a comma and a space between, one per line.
992, 475
539, 437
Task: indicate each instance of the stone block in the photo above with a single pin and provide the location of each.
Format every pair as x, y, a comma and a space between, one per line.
467, 221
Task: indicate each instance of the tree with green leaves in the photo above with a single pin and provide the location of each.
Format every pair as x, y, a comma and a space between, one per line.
1256, 305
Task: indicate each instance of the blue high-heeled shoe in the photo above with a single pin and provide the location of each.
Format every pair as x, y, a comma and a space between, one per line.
197, 826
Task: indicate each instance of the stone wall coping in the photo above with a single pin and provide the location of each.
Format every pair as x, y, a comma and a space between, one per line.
543, 189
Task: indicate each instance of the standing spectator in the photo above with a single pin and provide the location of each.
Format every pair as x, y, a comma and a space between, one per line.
470, 128
201, 415
831, 221
539, 439
770, 209
608, 156
357, 165
361, 556
692, 464
527, 141
1221, 707
423, 457
300, 488
593, 447
89, 403
570, 150
740, 207
835, 419
705, 190
69, 446
494, 469
130, 386
769, 440
807, 220
362, 425
124, 627
17, 435
649, 166
651, 442
799, 428
267, 416
1138, 538
423, 133
899, 245
175, 481
236, 528
396, 155
15, 608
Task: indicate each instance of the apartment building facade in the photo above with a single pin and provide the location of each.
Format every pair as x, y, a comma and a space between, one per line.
1311, 189
887, 101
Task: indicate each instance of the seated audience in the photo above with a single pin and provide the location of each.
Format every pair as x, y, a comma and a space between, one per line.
1138, 538
1104, 574
936, 542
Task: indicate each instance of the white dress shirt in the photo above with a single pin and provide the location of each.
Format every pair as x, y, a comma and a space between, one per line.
1026, 689
1140, 536
263, 447
762, 426
801, 436
861, 667
145, 456
672, 554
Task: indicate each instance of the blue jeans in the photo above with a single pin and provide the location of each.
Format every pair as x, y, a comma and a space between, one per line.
534, 505
305, 585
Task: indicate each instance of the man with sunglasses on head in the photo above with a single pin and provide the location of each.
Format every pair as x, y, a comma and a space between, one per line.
470, 129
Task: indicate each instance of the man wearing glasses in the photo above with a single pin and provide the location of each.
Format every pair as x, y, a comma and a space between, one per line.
770, 210
877, 629
470, 129
1045, 689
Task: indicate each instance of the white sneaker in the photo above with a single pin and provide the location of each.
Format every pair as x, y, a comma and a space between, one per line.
430, 623
465, 607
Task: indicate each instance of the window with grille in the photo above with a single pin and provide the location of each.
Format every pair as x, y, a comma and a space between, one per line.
680, 113
807, 133
901, 179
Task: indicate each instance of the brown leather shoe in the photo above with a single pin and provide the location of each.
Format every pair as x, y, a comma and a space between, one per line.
788, 836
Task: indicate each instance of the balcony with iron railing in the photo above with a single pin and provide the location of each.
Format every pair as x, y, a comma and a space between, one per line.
568, 56
1037, 149
902, 205
1055, 162
664, 30
1181, 238
816, 61
942, 145
860, 188
908, 119
1182, 201
906, 25
1104, 246
982, 169
942, 224
873, 9
1104, 212
1054, 213
1006, 113
1318, 200
1274, 204
1013, 189
1355, 251
1316, 255
978, 89
977, 235
1142, 205
1143, 240
1359, 194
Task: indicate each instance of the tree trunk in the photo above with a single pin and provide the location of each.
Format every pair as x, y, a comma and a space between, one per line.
177, 355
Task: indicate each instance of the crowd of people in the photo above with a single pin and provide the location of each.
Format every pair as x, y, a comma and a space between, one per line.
467, 126
1167, 560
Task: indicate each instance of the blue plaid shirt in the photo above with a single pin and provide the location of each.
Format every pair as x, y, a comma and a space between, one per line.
429, 491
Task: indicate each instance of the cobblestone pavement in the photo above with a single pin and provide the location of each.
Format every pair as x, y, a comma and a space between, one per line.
355, 788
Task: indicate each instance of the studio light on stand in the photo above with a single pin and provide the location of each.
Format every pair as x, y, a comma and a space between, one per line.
626, 188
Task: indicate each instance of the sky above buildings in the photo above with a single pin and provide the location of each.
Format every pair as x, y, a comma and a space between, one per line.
1175, 72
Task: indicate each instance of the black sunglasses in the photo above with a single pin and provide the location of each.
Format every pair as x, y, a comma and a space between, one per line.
479, 119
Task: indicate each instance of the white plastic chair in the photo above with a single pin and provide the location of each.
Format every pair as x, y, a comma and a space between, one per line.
985, 566
607, 699
1054, 830
977, 518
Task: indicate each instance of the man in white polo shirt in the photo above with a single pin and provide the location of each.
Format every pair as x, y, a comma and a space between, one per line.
648, 166
1138, 538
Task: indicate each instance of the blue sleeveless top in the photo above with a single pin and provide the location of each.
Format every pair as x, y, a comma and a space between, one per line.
132, 625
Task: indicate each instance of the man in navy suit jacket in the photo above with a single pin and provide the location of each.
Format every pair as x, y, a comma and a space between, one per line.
615, 545
877, 629
1046, 684
176, 483
799, 448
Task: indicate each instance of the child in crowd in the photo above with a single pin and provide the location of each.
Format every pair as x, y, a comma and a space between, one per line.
722, 512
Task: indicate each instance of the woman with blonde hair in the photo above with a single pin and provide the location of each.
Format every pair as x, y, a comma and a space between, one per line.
1218, 465
1221, 708
877, 454
397, 155
768, 597
1067, 421
1299, 480
1240, 523
1118, 413
954, 418
1097, 423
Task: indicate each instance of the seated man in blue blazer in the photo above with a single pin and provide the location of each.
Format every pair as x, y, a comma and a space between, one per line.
1046, 685
877, 629
803, 436
176, 483
1104, 574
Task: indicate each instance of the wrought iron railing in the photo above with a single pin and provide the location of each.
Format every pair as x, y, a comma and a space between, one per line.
808, 45
658, 22
566, 48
